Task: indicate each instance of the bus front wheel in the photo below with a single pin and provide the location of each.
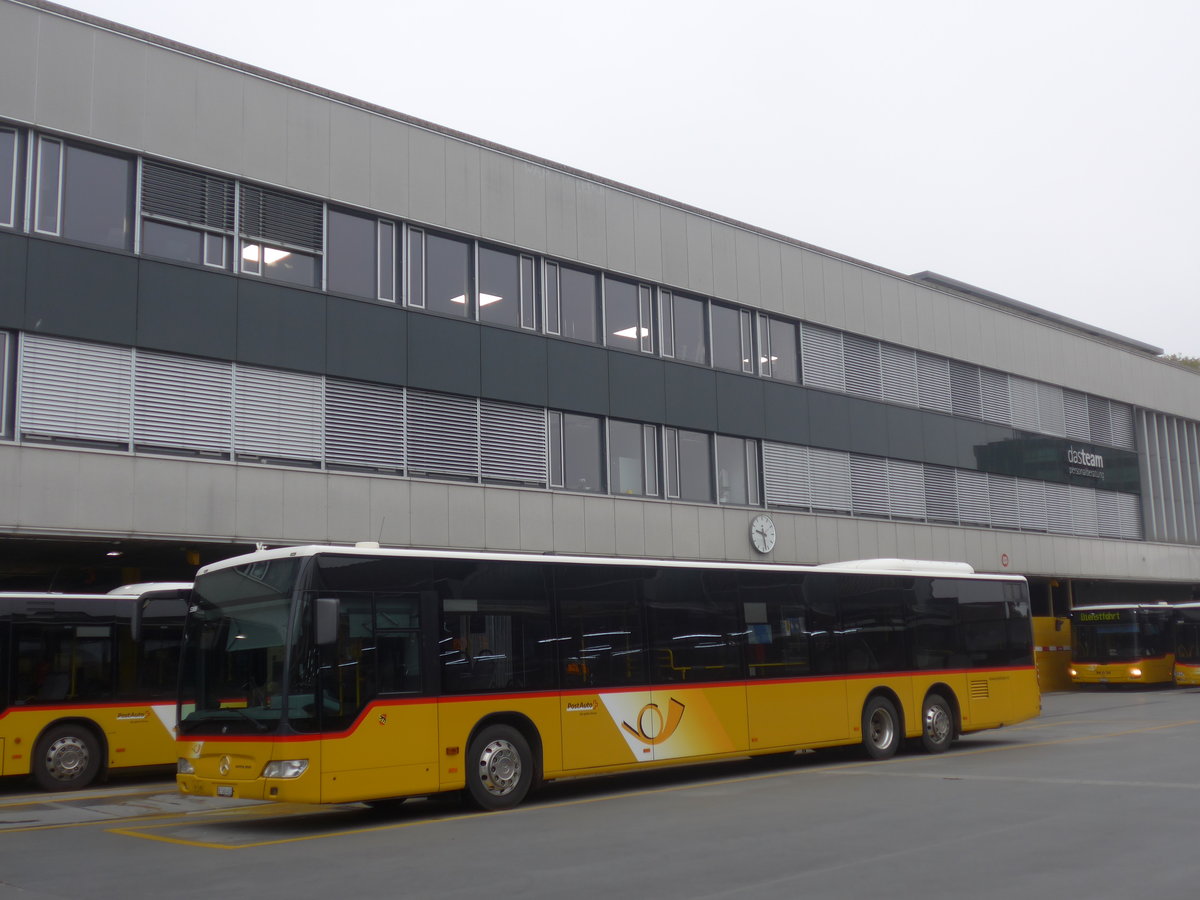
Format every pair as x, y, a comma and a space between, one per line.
880, 731
66, 758
937, 724
500, 768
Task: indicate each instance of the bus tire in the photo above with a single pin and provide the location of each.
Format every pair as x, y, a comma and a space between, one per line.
937, 724
880, 728
500, 768
67, 757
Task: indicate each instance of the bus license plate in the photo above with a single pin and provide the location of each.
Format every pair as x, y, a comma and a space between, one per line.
224, 790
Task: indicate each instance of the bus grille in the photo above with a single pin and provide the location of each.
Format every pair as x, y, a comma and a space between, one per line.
979, 690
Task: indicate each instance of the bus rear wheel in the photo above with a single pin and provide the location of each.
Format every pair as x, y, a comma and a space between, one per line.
67, 758
937, 724
880, 731
500, 769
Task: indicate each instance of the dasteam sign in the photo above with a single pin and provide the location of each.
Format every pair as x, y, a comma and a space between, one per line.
1085, 463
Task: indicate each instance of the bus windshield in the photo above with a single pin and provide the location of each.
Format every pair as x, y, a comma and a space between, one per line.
235, 649
1187, 642
1127, 640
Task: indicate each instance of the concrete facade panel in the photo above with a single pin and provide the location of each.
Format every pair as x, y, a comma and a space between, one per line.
724, 261
259, 502
770, 267
852, 300
590, 212
350, 156
600, 525
308, 137
391, 512
647, 235
835, 299
532, 221
497, 197
630, 522
348, 509
464, 212
171, 92
212, 492
791, 264
673, 230
264, 131
305, 507
561, 215
736, 538
570, 532
872, 290
102, 500
389, 165
468, 524
427, 177
19, 27
749, 289
65, 57
119, 90
620, 231
220, 120
659, 529
699, 253
804, 536
710, 533
501, 519
429, 514
537, 522
685, 532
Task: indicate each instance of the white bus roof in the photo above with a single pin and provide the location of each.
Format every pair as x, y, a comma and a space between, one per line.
879, 566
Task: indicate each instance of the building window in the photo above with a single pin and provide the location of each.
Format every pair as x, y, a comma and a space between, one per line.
506, 289
282, 236
632, 459
737, 471
360, 256
689, 471
778, 357
84, 195
732, 339
684, 331
9, 169
576, 453
439, 273
628, 316
186, 215
572, 299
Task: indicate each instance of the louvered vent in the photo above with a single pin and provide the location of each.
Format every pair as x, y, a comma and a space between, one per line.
1121, 422
1108, 514
513, 443
277, 416
364, 425
978, 689
1131, 516
941, 494
868, 482
281, 218
1058, 508
965, 397
973, 505
823, 364
75, 391
1026, 413
1084, 520
899, 375
1100, 420
995, 406
933, 382
785, 475
182, 404
863, 374
1075, 409
187, 196
1031, 503
830, 479
906, 489
1002, 501
443, 435
1050, 409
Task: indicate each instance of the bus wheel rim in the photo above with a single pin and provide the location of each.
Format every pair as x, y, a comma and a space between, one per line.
937, 724
500, 768
67, 758
881, 728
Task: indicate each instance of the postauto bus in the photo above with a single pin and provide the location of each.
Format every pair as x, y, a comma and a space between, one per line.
1122, 644
1187, 644
331, 674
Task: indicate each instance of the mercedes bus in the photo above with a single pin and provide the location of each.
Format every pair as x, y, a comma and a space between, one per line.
1187, 644
1122, 644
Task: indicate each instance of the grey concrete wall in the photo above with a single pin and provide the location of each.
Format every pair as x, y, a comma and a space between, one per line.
69, 77
50, 491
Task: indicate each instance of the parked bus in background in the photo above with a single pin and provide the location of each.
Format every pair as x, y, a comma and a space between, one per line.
78, 694
1122, 644
370, 675
1187, 643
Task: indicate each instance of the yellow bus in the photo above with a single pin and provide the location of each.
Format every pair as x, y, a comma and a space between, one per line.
78, 694
1187, 644
1127, 643
331, 674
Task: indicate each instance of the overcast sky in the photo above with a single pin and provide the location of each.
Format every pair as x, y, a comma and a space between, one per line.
1047, 150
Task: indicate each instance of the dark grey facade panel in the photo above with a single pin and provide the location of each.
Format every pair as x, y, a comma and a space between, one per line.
741, 409
513, 366
577, 377
906, 431
868, 426
785, 413
691, 398
13, 250
366, 341
443, 355
81, 293
280, 327
829, 421
186, 310
637, 387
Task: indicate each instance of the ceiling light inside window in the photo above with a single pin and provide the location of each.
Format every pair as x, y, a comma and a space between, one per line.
486, 299
633, 332
270, 254
461, 298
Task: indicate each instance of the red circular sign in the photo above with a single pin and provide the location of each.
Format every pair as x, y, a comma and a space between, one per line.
1004, 560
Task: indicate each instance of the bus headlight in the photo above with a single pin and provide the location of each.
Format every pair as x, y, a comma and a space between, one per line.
285, 768
1071, 671
185, 767
1135, 672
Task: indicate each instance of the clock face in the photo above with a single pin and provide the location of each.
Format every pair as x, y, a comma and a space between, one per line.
762, 534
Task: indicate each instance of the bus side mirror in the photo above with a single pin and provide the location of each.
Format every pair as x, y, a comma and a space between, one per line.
328, 610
